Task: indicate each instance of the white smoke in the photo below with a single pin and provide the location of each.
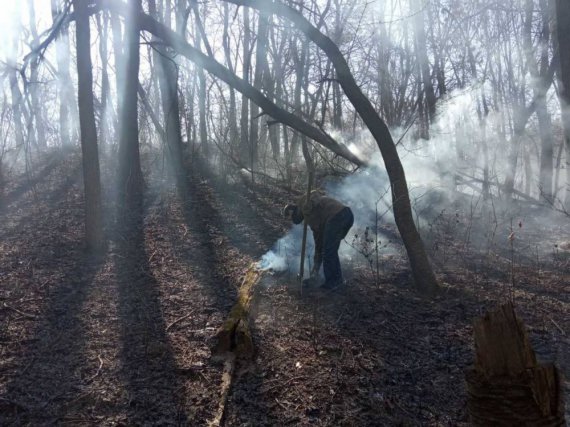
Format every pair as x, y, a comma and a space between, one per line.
430, 168
286, 253
365, 192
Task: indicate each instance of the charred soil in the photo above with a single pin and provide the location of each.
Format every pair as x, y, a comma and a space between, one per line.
124, 338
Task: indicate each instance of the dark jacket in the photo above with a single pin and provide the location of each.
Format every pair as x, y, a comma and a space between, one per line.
318, 211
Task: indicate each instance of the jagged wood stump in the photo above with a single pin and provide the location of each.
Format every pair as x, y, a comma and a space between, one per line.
506, 386
234, 335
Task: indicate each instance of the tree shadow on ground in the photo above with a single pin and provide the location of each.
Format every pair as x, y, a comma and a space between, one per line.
49, 368
205, 251
46, 202
251, 220
54, 160
148, 366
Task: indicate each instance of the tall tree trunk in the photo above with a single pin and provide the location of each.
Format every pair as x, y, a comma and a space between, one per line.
117, 41
519, 123
202, 124
103, 29
276, 85
63, 77
563, 35
244, 154
16, 93
90, 154
67, 100
300, 59
258, 78
540, 87
423, 63
202, 90
232, 113
130, 175
37, 108
168, 83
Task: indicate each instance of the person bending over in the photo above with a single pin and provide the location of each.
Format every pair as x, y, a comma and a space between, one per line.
330, 222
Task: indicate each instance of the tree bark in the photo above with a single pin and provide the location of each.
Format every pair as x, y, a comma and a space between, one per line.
244, 152
103, 28
202, 95
89, 150
65, 85
130, 175
37, 110
423, 62
168, 82
232, 113
540, 87
563, 35
506, 386
521, 116
260, 68
16, 93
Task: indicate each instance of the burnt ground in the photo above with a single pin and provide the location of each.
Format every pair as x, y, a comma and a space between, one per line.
124, 338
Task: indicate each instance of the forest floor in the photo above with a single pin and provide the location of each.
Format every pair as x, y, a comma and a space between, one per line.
125, 338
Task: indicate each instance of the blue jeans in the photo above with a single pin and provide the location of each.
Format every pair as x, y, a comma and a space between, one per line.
336, 229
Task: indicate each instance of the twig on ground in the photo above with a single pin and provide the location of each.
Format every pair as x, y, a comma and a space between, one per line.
21, 313
98, 370
557, 326
176, 321
285, 384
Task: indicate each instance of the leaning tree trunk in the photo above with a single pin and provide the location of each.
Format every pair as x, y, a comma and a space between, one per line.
421, 268
90, 154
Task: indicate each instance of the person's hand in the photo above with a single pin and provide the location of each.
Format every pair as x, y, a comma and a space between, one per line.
286, 211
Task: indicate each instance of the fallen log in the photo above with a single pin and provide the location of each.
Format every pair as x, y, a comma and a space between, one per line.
507, 386
234, 335
233, 339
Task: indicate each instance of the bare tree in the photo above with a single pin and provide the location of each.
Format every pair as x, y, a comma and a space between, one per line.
168, 83
91, 176
130, 178
421, 268
65, 86
563, 33
36, 109
542, 82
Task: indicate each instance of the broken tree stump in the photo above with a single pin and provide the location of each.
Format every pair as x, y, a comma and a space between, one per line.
234, 335
506, 386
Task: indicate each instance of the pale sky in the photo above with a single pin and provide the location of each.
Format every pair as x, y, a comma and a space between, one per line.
14, 13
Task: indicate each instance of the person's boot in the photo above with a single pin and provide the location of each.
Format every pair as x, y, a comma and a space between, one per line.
332, 284
310, 282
